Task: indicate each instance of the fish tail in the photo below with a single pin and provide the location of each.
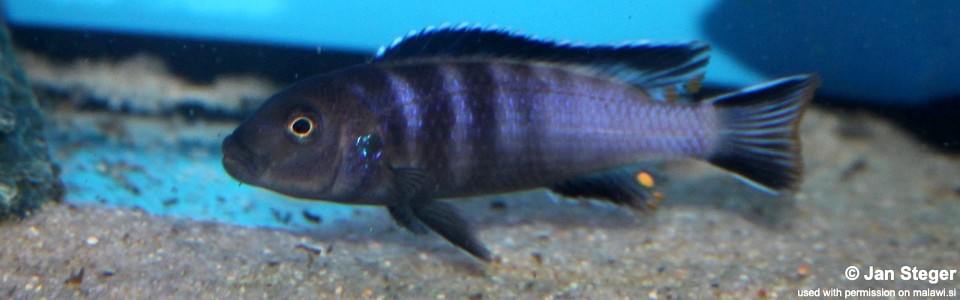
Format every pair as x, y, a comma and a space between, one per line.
759, 139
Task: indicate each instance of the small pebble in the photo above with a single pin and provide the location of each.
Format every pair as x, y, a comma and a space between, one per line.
762, 293
75, 279
34, 283
498, 205
33, 231
312, 218
803, 270
543, 237
819, 247
537, 258
92, 241
273, 262
309, 248
169, 202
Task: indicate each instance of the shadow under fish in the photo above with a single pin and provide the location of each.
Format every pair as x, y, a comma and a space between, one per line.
462, 111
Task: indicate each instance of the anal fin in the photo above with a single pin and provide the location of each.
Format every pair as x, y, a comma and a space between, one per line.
627, 186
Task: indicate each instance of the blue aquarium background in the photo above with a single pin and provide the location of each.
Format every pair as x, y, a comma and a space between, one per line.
874, 51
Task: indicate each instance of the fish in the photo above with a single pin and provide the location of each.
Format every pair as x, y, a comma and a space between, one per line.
457, 111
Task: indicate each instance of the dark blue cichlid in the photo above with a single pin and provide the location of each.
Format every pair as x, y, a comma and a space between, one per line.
455, 112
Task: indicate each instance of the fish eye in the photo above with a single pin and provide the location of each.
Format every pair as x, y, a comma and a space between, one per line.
301, 126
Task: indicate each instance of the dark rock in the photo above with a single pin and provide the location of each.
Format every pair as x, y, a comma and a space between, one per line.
27, 177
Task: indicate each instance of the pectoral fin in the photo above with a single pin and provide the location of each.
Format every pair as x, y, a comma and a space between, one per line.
410, 183
416, 211
624, 186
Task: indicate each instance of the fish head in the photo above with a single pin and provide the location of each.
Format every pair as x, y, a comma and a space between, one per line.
293, 145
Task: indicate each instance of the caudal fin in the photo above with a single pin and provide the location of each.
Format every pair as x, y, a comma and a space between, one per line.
759, 140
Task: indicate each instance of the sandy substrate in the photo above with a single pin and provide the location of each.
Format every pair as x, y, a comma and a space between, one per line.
872, 197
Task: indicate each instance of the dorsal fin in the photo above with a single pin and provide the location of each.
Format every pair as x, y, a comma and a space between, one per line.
642, 64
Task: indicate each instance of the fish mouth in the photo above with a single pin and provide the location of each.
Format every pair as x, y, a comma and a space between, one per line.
239, 161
